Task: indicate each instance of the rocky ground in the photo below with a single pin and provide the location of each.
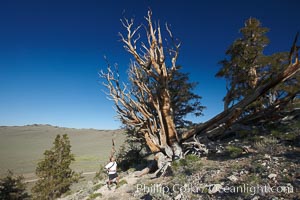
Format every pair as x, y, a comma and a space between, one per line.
268, 175
252, 165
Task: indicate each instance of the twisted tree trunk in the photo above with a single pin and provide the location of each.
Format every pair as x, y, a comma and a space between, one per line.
147, 108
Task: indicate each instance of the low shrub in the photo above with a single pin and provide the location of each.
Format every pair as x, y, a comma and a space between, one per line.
234, 151
266, 145
94, 196
12, 187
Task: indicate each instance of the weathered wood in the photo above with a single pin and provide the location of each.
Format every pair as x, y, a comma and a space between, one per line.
151, 167
147, 109
233, 112
161, 162
113, 150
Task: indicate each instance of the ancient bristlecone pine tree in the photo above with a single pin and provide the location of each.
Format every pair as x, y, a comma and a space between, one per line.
148, 110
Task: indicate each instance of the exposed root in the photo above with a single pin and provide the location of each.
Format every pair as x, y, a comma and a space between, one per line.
195, 147
161, 161
163, 170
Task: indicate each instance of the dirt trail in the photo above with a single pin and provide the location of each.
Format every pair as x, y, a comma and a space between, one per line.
122, 192
36, 179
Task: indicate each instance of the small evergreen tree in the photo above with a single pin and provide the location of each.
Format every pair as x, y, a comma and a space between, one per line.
246, 67
13, 188
54, 171
243, 69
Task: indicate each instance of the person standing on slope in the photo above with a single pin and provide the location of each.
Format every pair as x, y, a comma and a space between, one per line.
111, 168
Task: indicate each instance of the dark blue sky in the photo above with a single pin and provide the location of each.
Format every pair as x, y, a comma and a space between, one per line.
51, 52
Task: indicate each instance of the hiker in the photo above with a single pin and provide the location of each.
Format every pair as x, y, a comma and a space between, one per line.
111, 168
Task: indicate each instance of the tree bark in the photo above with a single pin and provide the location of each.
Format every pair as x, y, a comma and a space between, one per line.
147, 107
153, 147
230, 115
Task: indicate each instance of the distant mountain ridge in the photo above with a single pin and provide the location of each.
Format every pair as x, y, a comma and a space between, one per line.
49, 125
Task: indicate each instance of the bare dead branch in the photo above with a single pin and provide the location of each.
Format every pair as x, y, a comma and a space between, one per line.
146, 108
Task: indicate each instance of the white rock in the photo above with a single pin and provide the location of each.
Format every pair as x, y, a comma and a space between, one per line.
244, 172
178, 197
287, 118
232, 178
276, 158
235, 173
272, 176
285, 170
263, 164
255, 198
267, 156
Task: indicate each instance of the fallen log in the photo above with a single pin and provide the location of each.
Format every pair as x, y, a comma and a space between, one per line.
228, 116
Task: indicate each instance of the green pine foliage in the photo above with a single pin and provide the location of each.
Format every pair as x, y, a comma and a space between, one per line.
244, 55
13, 188
246, 66
54, 171
132, 153
183, 100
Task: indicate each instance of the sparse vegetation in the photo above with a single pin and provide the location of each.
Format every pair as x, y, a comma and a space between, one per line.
121, 182
266, 145
98, 186
288, 133
234, 151
94, 196
13, 188
187, 166
256, 168
101, 174
54, 171
133, 151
